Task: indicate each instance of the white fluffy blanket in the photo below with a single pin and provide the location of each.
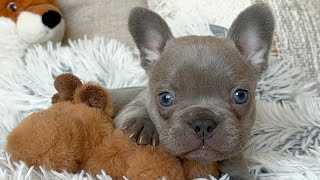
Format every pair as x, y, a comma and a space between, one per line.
285, 139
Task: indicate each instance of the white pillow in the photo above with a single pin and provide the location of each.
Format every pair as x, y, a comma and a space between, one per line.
218, 12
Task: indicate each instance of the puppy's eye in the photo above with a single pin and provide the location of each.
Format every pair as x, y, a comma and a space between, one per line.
165, 99
12, 6
240, 96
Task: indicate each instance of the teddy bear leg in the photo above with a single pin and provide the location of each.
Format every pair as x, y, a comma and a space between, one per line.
119, 158
50, 140
111, 156
154, 163
194, 169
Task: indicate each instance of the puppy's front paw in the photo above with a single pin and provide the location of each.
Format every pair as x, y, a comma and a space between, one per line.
141, 131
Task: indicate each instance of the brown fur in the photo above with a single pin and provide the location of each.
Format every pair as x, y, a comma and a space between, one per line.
78, 133
35, 6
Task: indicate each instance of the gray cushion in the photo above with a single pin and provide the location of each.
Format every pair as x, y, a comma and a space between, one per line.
297, 34
98, 18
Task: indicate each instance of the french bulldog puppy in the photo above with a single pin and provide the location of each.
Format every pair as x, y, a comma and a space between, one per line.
200, 100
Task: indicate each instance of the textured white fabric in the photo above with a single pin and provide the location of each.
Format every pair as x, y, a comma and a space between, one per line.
218, 12
285, 140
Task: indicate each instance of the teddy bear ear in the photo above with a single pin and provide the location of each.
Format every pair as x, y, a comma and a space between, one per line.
66, 85
93, 95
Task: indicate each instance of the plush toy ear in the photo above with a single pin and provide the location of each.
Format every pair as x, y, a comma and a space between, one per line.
65, 84
252, 33
150, 33
94, 95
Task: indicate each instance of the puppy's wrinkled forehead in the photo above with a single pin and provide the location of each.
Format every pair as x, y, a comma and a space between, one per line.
195, 61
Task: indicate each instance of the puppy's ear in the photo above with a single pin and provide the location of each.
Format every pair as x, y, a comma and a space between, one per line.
150, 33
252, 32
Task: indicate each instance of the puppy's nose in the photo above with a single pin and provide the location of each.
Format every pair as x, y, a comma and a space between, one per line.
203, 128
51, 18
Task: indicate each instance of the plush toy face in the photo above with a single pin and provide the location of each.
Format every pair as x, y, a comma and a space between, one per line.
36, 20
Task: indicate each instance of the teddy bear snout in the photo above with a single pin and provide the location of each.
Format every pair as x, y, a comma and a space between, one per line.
51, 18
41, 23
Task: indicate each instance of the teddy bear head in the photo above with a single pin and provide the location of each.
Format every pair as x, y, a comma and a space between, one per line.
70, 88
34, 21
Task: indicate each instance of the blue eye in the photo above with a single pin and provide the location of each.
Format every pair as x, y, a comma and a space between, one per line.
166, 99
240, 96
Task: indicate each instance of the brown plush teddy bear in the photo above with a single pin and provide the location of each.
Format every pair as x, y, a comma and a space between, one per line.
77, 133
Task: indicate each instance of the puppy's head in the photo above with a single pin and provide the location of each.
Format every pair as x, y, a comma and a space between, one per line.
202, 89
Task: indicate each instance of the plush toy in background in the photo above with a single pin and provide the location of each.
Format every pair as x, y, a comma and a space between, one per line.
77, 133
26, 22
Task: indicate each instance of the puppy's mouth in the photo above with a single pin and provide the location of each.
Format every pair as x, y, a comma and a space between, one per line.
202, 152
